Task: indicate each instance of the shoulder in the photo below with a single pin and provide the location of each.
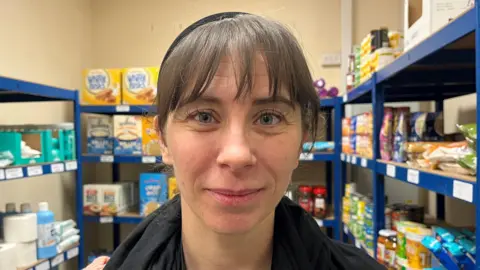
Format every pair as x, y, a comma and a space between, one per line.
303, 233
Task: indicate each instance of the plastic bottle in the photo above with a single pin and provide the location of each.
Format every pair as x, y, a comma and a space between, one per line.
46, 244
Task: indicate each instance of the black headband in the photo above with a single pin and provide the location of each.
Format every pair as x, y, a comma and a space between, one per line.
195, 25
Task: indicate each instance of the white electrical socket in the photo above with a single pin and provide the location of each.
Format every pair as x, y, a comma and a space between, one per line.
331, 59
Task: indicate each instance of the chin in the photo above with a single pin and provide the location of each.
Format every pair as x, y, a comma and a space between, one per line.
227, 223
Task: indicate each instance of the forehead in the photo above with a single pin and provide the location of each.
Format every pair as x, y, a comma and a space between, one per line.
225, 82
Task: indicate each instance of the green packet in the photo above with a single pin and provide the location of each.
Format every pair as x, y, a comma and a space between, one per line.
469, 130
469, 162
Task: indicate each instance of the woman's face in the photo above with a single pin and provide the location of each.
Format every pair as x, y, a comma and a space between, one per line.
233, 159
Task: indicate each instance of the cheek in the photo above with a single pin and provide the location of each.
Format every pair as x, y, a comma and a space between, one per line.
281, 154
190, 155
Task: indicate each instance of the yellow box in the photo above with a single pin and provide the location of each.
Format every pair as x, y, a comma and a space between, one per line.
101, 87
172, 187
150, 143
139, 85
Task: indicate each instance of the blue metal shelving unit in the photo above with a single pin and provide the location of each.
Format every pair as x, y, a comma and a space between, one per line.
14, 90
328, 105
445, 65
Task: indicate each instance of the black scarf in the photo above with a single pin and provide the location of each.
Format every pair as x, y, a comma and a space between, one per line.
298, 243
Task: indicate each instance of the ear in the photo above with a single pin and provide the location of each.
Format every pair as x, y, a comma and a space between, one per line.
166, 157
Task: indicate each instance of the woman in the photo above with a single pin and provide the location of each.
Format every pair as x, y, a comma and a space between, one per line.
235, 104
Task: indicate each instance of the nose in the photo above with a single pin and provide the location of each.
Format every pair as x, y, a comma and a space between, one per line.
236, 152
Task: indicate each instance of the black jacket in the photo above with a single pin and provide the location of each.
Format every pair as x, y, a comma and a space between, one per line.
298, 244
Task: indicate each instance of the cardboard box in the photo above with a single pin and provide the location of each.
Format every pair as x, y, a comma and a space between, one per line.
424, 17
153, 192
99, 135
139, 85
92, 200
101, 87
172, 187
127, 130
150, 142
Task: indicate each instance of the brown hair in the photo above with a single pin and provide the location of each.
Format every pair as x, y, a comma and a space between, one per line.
193, 63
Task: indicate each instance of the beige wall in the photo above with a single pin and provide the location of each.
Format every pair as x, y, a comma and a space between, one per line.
50, 41
129, 33
47, 42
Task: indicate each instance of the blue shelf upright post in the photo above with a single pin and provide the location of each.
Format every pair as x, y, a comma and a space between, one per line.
339, 180
116, 226
477, 85
378, 99
440, 198
78, 179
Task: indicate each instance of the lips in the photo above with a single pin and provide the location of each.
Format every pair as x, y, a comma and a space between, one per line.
235, 197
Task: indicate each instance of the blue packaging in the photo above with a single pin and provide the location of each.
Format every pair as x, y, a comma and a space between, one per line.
400, 135
417, 126
153, 192
99, 135
127, 131
434, 127
443, 235
46, 242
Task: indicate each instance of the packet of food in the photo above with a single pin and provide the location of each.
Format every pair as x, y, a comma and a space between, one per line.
469, 162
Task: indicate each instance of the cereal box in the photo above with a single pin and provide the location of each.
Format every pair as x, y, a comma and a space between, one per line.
127, 131
150, 143
139, 85
101, 87
153, 192
99, 135
172, 187
92, 200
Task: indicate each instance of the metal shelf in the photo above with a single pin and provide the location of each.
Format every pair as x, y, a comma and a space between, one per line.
452, 185
119, 109
147, 109
124, 218
361, 94
444, 65
448, 35
158, 159
14, 90
33, 170
358, 161
121, 159
62, 257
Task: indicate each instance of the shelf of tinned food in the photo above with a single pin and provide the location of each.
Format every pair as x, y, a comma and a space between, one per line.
358, 243
32, 170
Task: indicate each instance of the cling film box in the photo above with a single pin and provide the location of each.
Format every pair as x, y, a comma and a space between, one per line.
99, 135
153, 192
139, 85
101, 87
127, 131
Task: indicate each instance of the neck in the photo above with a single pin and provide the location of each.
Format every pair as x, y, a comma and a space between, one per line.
206, 249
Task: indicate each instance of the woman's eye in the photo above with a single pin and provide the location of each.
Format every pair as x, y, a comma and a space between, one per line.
268, 119
204, 117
